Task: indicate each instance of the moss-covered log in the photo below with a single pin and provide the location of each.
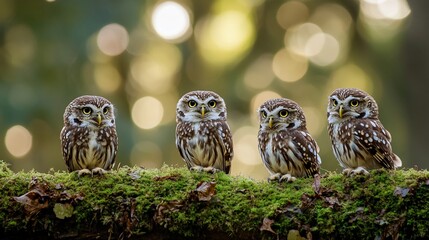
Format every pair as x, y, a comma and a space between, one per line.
173, 203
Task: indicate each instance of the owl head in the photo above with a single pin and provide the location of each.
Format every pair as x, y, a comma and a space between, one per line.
281, 114
347, 103
198, 106
89, 111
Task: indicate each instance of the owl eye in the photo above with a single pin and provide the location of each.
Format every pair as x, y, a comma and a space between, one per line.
334, 102
212, 103
106, 110
283, 113
354, 103
192, 103
86, 110
263, 114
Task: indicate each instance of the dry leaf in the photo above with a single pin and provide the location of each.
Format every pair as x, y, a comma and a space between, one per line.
266, 225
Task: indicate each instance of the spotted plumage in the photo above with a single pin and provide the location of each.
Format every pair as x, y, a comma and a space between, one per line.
286, 148
359, 140
89, 140
203, 137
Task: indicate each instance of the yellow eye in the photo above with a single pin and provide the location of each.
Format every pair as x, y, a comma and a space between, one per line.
283, 113
354, 103
192, 103
106, 110
212, 103
334, 102
263, 114
86, 110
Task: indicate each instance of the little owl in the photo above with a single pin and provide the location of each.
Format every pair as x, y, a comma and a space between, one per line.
88, 138
359, 140
287, 149
203, 137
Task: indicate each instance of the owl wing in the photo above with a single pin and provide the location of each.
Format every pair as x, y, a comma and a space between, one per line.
375, 139
66, 144
184, 131
224, 139
308, 150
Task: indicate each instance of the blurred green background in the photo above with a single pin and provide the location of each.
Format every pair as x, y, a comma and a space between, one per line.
144, 55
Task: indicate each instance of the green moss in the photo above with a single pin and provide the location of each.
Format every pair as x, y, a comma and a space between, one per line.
131, 201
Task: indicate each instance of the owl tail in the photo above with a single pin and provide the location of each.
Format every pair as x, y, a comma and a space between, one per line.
397, 161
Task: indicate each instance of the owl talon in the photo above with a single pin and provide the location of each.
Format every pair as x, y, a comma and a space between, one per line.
211, 170
98, 171
287, 178
83, 172
274, 177
349, 172
196, 168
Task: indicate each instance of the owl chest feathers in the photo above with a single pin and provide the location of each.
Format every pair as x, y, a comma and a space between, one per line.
348, 140
284, 153
202, 144
92, 148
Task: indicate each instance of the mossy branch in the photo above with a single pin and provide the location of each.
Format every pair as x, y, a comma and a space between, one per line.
173, 203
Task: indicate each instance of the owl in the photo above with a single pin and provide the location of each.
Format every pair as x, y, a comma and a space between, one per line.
359, 140
203, 137
286, 148
88, 138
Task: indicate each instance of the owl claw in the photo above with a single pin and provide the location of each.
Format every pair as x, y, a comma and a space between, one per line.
274, 177
98, 171
287, 178
281, 178
211, 170
349, 172
83, 172
196, 168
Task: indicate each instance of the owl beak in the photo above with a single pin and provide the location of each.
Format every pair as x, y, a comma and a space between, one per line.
270, 122
340, 111
203, 110
99, 118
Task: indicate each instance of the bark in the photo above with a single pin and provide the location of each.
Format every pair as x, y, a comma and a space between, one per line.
173, 203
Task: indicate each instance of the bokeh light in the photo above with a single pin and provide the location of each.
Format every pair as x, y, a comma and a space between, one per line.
112, 39
328, 49
154, 70
107, 78
18, 141
296, 39
171, 20
292, 13
224, 37
259, 74
147, 112
385, 9
288, 66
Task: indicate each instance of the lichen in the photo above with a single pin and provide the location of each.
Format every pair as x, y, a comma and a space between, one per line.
133, 202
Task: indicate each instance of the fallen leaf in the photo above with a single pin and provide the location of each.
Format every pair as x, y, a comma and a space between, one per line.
266, 225
63, 210
164, 208
204, 191
36, 199
332, 201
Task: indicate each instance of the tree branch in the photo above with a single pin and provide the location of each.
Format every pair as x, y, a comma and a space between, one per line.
173, 203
